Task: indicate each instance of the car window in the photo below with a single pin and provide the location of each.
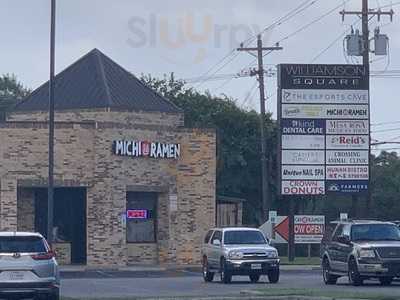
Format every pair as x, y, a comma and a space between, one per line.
208, 236
346, 230
217, 236
329, 229
338, 232
375, 232
244, 237
19, 244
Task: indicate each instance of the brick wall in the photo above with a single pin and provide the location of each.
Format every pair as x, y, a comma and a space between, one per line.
26, 210
105, 115
83, 157
142, 254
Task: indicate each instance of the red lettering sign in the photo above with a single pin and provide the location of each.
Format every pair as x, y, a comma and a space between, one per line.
137, 214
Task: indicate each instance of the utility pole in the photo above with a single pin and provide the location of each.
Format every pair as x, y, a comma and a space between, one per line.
50, 191
365, 14
264, 167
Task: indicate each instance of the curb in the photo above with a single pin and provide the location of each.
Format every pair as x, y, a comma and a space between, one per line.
259, 295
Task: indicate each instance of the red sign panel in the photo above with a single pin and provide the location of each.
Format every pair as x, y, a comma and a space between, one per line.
137, 214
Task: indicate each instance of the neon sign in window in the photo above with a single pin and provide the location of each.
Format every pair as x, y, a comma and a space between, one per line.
137, 214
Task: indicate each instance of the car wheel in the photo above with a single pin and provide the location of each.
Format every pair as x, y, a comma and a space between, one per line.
254, 278
207, 275
54, 296
226, 277
354, 276
386, 280
273, 276
326, 273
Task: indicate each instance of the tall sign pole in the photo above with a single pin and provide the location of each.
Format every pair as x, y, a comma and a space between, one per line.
50, 192
323, 117
264, 161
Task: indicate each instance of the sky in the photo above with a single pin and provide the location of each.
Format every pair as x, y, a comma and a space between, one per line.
192, 38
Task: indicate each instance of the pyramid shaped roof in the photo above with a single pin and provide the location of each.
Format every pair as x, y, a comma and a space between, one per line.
96, 81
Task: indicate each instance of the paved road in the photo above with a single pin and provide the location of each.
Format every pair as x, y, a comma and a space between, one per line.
191, 284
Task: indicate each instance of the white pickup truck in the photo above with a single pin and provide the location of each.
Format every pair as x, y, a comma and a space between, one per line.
239, 251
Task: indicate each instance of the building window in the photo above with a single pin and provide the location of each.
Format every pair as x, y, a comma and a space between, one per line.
141, 217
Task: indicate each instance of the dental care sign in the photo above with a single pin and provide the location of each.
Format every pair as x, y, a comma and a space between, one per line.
146, 149
323, 114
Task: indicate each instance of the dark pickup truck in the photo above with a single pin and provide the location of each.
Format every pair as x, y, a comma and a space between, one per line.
361, 249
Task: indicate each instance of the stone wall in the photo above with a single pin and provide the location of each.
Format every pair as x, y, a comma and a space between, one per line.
26, 210
196, 184
105, 116
63, 253
8, 204
83, 157
142, 254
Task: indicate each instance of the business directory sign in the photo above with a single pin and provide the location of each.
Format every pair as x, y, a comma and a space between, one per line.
324, 120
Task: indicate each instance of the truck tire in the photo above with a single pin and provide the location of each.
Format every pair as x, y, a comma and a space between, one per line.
226, 277
207, 275
326, 275
354, 276
273, 276
386, 280
254, 278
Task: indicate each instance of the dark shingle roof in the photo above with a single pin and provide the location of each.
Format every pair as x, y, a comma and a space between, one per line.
96, 81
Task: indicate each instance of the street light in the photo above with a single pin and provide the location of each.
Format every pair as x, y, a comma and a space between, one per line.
50, 191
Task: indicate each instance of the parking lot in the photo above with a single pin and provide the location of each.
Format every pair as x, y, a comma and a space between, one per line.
187, 283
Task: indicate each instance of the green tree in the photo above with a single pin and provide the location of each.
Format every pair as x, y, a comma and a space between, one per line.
11, 91
238, 142
385, 185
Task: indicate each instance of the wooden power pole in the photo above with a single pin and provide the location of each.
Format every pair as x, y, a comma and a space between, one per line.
365, 13
266, 203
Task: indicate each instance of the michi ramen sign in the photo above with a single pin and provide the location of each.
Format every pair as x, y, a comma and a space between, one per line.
146, 149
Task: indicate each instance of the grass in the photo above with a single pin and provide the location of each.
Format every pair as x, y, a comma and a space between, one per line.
329, 294
301, 261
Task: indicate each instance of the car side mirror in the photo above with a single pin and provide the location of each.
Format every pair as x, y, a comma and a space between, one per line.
344, 239
216, 242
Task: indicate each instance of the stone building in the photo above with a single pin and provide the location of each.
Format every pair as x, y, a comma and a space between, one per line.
132, 184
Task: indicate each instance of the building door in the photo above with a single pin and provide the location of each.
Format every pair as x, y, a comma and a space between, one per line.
69, 218
141, 225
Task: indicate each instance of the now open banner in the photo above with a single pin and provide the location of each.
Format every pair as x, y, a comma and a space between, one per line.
308, 229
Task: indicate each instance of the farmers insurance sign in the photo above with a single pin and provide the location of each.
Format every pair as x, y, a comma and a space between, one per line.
146, 149
323, 113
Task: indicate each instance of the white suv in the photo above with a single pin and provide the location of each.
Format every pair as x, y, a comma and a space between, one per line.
239, 251
28, 267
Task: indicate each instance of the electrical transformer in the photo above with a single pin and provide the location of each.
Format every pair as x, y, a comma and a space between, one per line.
354, 44
381, 43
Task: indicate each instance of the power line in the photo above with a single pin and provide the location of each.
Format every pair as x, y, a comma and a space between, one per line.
386, 123
333, 43
387, 149
386, 130
251, 94
312, 22
388, 5
272, 73
278, 22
